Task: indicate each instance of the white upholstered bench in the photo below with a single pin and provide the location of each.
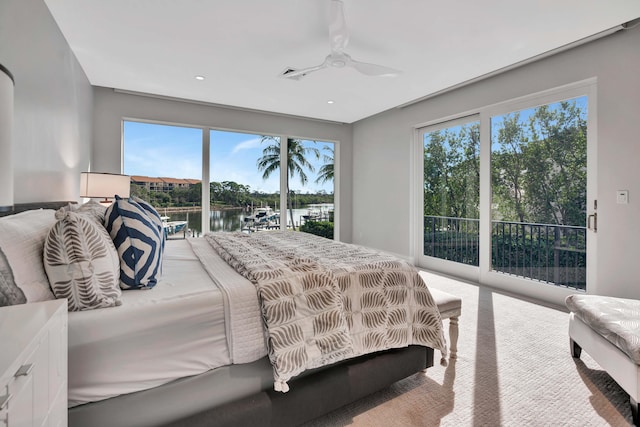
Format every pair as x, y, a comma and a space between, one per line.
608, 329
450, 307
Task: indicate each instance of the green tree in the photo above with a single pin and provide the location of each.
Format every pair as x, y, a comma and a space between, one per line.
325, 173
215, 192
297, 163
508, 168
139, 191
556, 179
452, 172
539, 165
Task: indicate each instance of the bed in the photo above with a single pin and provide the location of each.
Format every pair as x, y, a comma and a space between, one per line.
194, 351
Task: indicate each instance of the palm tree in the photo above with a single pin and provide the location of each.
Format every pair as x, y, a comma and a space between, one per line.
296, 162
326, 171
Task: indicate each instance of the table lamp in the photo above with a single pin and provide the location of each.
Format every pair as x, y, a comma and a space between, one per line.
104, 185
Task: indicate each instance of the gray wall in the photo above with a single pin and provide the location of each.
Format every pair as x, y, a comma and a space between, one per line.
382, 152
111, 107
60, 119
53, 104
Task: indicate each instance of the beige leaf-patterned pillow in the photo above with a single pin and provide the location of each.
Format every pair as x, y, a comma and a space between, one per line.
82, 263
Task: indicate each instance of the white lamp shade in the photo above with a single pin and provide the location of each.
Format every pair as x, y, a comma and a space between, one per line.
6, 135
107, 185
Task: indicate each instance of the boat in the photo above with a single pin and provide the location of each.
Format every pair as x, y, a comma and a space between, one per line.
318, 212
262, 217
173, 227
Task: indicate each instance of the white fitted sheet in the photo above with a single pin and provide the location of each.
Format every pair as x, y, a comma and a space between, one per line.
174, 330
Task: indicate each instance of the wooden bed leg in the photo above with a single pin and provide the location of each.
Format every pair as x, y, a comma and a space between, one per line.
576, 350
453, 336
634, 410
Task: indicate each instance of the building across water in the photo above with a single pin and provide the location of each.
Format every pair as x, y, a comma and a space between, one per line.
162, 184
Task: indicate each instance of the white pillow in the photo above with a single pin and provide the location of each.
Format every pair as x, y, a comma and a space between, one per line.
22, 239
81, 262
92, 209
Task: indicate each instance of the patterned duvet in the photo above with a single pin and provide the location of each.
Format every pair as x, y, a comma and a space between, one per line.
324, 301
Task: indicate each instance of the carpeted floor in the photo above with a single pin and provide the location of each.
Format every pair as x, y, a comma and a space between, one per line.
513, 369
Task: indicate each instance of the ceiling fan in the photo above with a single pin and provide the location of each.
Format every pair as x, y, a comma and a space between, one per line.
339, 37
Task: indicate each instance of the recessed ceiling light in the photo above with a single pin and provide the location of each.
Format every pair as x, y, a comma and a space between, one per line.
330, 101
200, 78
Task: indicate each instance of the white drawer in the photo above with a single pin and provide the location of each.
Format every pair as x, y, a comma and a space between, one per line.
33, 367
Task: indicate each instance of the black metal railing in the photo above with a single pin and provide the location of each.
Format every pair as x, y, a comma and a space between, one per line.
548, 253
453, 239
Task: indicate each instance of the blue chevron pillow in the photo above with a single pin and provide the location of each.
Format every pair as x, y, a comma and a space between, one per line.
155, 216
138, 242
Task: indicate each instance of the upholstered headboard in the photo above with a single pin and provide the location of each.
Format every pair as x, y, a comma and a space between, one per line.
21, 207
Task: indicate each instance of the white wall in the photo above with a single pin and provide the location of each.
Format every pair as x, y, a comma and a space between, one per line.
111, 107
53, 104
382, 152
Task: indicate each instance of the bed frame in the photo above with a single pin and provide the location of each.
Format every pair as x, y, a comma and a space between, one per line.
220, 398
215, 399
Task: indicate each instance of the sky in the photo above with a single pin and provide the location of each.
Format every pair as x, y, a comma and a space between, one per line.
497, 121
171, 151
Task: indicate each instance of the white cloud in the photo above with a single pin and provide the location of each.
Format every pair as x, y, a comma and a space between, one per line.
246, 145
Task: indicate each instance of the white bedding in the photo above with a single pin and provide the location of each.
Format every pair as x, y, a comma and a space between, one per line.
174, 330
201, 315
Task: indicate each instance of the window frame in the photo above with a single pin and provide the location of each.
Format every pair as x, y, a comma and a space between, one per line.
483, 273
206, 152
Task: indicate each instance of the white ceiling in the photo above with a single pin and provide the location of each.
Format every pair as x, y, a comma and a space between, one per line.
241, 46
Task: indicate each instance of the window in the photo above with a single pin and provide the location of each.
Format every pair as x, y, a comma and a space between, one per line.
539, 192
245, 182
165, 164
244, 186
310, 186
451, 192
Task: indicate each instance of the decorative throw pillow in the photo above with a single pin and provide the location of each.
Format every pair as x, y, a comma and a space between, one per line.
93, 210
138, 242
155, 216
81, 262
22, 239
10, 293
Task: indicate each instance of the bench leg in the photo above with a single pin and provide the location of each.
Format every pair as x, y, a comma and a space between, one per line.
453, 336
634, 410
576, 350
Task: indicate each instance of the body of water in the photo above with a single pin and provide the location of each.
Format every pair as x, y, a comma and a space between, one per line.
226, 220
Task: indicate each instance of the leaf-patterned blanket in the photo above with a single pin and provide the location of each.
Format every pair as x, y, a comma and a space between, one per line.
324, 301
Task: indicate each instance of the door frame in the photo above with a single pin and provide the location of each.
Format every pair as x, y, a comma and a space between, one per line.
483, 274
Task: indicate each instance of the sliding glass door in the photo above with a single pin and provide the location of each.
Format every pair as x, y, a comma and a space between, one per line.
539, 193
451, 191
507, 195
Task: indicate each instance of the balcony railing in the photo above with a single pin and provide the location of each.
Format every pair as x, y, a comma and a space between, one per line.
547, 253
453, 239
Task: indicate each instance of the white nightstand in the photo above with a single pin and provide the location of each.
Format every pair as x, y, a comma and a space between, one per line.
33, 364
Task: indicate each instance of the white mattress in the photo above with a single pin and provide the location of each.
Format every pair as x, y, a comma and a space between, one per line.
174, 330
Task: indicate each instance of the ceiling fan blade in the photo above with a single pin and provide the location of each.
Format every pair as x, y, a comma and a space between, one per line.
304, 71
338, 32
373, 69
339, 37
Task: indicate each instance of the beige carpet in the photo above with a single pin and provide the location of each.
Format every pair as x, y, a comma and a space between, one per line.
513, 369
